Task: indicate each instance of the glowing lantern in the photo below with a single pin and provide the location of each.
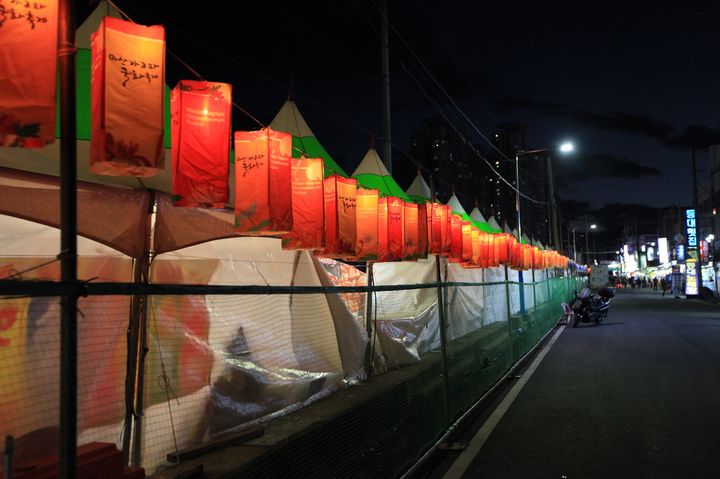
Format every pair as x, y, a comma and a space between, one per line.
200, 118
536, 258
263, 191
307, 205
446, 230
466, 230
502, 242
383, 251
340, 216
456, 238
476, 246
423, 230
128, 83
435, 229
28, 62
411, 236
366, 245
396, 228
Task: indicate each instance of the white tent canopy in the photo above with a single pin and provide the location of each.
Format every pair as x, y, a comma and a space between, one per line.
477, 216
419, 187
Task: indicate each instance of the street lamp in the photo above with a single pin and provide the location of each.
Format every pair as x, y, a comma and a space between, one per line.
564, 148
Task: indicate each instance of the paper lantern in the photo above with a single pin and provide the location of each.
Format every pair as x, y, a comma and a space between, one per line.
263, 187
456, 238
128, 87
446, 230
396, 228
366, 245
28, 62
435, 237
340, 216
423, 230
307, 206
536, 258
466, 230
383, 251
502, 242
411, 232
476, 235
200, 121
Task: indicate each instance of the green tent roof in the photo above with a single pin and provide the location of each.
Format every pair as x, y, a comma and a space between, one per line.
371, 173
311, 147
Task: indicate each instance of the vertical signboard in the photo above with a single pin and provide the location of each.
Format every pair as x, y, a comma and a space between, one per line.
691, 261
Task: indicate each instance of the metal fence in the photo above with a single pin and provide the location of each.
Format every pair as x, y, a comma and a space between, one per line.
383, 359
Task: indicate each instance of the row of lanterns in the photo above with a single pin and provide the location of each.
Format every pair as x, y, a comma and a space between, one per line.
275, 195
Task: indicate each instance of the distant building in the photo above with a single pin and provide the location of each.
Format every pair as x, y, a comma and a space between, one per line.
442, 150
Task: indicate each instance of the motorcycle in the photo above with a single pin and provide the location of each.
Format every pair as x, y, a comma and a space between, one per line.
589, 308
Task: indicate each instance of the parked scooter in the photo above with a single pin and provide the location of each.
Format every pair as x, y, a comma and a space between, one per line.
589, 308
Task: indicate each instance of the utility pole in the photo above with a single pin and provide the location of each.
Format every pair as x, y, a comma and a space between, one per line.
385, 55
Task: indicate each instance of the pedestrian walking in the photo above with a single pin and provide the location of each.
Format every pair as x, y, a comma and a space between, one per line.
655, 282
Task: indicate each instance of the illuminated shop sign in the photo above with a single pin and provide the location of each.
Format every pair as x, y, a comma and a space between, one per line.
691, 228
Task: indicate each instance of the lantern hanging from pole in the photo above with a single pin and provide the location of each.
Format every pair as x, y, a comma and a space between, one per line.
263, 186
340, 216
411, 231
366, 245
128, 89
308, 201
396, 228
383, 251
200, 123
28, 62
502, 242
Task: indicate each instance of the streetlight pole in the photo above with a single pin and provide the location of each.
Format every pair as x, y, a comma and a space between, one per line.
554, 235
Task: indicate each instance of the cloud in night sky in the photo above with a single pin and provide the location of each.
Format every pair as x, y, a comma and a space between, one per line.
603, 165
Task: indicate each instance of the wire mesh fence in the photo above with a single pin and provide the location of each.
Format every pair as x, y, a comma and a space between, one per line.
205, 363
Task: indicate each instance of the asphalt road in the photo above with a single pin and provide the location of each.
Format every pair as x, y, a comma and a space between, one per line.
637, 397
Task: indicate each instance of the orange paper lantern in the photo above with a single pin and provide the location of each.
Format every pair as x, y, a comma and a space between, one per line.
411, 236
308, 201
28, 62
476, 236
366, 245
263, 188
128, 88
383, 251
200, 119
435, 238
396, 228
340, 216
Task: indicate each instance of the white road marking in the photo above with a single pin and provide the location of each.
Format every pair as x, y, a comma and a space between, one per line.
463, 461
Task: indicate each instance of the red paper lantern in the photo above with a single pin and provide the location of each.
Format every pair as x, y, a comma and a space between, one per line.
28, 62
308, 201
128, 90
340, 216
200, 119
263, 188
456, 238
466, 229
423, 230
446, 230
435, 237
366, 245
411, 236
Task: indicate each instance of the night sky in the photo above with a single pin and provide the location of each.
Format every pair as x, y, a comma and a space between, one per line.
633, 86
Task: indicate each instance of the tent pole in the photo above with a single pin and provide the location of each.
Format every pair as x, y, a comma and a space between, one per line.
137, 346
385, 60
368, 321
68, 240
507, 304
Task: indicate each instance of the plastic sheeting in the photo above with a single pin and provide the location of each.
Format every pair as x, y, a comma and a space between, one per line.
268, 354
